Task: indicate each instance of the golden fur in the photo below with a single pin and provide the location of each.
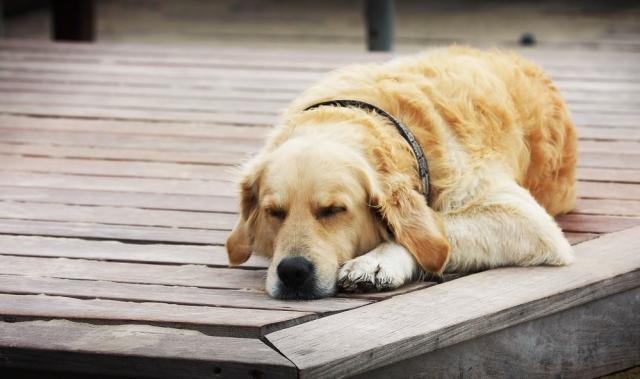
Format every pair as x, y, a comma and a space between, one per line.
496, 134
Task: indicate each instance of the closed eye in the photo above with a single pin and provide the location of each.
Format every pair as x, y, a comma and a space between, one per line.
325, 212
278, 213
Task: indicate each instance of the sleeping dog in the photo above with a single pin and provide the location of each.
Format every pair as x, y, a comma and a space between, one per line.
452, 160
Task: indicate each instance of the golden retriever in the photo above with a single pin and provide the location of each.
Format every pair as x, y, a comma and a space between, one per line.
336, 201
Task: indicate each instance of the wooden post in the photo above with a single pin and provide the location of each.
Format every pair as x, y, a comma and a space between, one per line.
380, 15
1, 20
73, 20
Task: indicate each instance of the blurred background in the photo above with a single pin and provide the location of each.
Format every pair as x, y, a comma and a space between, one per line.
340, 24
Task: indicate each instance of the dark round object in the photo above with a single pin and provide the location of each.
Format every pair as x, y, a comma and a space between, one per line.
294, 271
527, 39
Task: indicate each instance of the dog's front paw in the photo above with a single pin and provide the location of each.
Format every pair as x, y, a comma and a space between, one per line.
386, 267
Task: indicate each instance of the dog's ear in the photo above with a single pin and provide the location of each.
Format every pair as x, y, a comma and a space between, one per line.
414, 224
240, 242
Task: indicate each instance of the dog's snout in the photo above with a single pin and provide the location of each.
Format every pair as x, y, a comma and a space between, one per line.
295, 271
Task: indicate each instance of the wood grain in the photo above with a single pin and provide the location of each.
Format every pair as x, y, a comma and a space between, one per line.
37, 246
595, 223
230, 322
575, 343
383, 333
153, 351
102, 183
116, 215
90, 289
178, 275
130, 233
198, 203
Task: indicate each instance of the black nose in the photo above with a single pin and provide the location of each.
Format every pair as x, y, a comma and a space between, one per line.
295, 271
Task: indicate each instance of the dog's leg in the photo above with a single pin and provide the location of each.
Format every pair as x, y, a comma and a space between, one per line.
508, 227
386, 267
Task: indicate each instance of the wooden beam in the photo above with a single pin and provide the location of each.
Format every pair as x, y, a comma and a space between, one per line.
73, 20
409, 325
587, 341
135, 350
218, 321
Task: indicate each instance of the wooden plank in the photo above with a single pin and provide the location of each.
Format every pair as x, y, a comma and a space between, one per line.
214, 256
54, 85
101, 183
575, 343
199, 203
225, 173
116, 215
89, 289
211, 73
610, 207
618, 147
605, 119
608, 133
152, 351
182, 275
309, 60
22, 91
50, 109
130, 141
218, 321
575, 238
595, 223
277, 55
601, 190
350, 342
114, 232
116, 169
609, 160
115, 154
102, 127
25, 82
608, 175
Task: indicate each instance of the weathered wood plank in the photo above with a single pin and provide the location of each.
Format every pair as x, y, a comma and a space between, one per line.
117, 232
608, 133
116, 169
276, 56
35, 246
100, 183
608, 175
603, 190
183, 275
89, 289
148, 351
130, 141
118, 127
116, 154
595, 223
575, 343
386, 332
618, 147
609, 160
199, 203
59, 110
218, 321
578, 237
608, 207
116, 215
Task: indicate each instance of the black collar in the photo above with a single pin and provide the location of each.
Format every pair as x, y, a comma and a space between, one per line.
423, 168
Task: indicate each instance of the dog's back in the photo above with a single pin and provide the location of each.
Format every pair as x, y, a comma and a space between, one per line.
471, 110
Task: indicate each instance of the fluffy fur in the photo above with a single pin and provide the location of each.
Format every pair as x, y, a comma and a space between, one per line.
501, 150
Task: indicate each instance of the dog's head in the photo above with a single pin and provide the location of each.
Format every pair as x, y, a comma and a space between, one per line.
313, 205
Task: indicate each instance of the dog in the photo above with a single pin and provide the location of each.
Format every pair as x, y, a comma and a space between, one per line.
337, 198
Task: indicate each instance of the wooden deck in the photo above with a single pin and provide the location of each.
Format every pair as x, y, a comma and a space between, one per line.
116, 196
